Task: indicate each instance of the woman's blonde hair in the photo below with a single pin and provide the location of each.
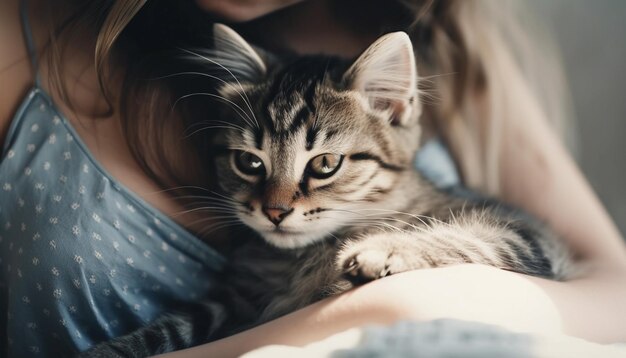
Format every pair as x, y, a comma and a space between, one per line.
485, 70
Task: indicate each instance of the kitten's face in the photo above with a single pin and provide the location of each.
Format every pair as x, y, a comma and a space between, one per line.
305, 155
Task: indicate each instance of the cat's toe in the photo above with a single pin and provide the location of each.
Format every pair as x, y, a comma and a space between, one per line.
366, 266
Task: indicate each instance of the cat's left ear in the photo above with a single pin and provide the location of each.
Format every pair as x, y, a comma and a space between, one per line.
236, 54
386, 75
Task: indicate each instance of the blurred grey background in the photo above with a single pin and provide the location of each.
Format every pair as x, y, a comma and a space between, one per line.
592, 38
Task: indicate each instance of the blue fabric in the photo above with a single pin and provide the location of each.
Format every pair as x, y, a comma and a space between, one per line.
444, 338
82, 259
435, 163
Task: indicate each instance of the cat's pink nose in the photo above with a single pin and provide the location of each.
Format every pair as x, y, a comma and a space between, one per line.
277, 214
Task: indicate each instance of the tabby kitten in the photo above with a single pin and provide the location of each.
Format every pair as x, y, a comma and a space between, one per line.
317, 159
322, 169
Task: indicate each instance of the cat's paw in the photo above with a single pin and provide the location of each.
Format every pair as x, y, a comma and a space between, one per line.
373, 257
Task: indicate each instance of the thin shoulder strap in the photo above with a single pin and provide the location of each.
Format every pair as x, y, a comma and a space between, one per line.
28, 38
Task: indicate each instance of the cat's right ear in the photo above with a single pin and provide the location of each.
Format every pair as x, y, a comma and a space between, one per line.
236, 54
386, 76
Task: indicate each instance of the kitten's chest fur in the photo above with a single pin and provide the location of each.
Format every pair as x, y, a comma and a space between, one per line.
275, 282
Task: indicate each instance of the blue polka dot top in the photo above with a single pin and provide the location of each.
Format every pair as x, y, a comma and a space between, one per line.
82, 259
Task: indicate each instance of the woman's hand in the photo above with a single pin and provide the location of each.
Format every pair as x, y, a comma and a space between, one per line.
243, 10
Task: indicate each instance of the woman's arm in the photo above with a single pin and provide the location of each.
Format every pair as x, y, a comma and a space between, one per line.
539, 175
589, 308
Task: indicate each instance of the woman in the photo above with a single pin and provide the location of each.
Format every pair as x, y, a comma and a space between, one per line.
107, 107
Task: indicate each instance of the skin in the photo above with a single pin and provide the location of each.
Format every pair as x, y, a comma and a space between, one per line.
244, 10
542, 178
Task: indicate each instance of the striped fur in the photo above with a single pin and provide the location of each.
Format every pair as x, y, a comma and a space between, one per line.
375, 216
187, 327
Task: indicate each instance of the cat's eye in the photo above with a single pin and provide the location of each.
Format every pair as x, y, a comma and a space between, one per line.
249, 163
324, 165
